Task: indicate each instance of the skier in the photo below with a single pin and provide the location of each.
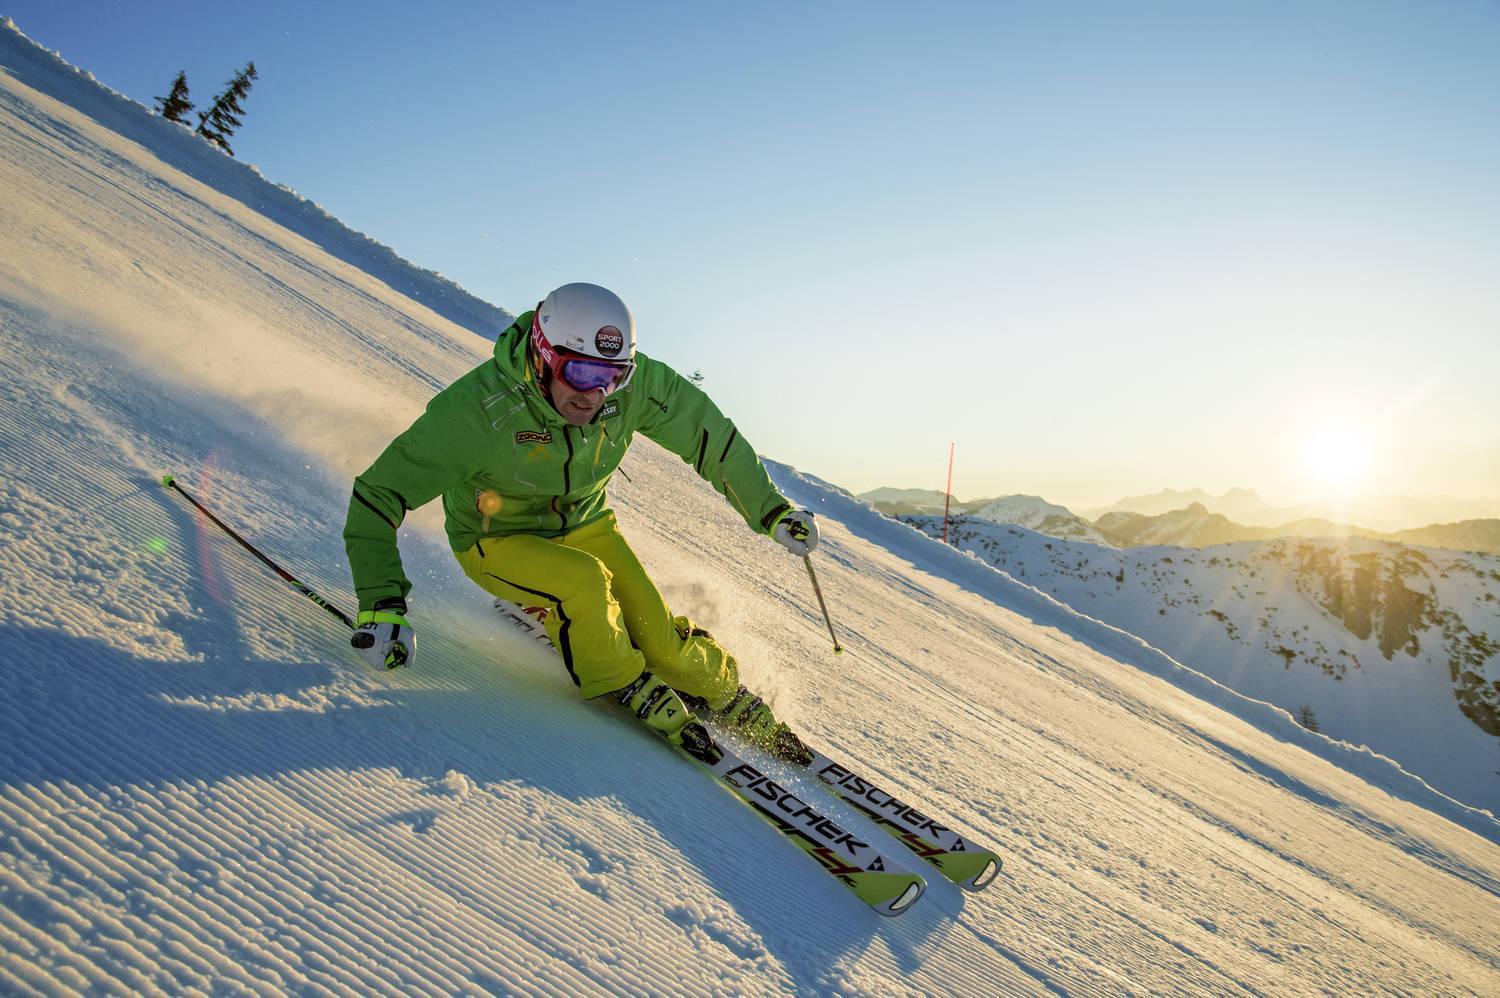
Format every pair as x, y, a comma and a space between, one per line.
521, 449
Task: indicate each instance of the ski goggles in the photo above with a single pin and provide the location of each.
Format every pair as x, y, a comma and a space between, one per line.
585, 374
579, 372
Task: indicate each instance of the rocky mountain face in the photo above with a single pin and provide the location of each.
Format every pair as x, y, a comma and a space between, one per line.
1194, 526
1385, 644
1391, 595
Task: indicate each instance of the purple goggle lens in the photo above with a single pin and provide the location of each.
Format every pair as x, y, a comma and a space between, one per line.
592, 375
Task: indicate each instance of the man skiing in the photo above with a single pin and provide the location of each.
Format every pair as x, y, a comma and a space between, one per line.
521, 449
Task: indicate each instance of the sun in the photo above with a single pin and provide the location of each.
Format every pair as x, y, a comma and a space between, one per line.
1339, 457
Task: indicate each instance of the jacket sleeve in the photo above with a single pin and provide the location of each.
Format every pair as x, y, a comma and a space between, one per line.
430, 457
684, 420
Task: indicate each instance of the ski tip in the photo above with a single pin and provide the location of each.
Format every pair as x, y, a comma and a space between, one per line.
986, 875
888, 892
167, 480
908, 897
973, 871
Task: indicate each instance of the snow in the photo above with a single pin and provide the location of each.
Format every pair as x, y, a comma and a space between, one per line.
1250, 615
204, 790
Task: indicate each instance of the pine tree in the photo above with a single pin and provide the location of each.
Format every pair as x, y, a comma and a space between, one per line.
218, 123
175, 105
696, 378
1307, 718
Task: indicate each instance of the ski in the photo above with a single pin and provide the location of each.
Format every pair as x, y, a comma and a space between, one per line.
967, 865
884, 886
522, 620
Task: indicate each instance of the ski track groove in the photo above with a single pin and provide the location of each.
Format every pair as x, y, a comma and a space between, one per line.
1274, 885
436, 864
1291, 785
1362, 821
379, 859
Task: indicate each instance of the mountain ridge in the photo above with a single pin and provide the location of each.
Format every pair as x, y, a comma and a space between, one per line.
1194, 525
1385, 514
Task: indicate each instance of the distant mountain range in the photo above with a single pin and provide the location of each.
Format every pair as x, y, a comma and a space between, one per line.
1244, 505
1372, 641
1193, 525
1037, 514
1196, 527
1032, 512
1388, 514
915, 501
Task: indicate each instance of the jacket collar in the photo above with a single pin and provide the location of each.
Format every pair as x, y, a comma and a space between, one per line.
510, 358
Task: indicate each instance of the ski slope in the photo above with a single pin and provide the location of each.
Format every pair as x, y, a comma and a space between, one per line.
204, 789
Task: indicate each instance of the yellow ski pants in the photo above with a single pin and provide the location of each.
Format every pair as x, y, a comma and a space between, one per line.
602, 612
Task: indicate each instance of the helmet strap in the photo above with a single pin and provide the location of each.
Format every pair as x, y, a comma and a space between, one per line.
539, 365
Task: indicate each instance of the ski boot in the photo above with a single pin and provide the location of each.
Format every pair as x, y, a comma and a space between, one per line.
657, 706
660, 708
748, 717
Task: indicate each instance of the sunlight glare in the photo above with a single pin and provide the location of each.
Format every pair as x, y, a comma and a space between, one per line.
1339, 457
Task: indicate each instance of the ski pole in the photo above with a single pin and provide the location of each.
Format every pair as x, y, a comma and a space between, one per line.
171, 482
807, 560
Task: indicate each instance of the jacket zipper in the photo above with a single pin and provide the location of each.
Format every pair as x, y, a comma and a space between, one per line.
567, 480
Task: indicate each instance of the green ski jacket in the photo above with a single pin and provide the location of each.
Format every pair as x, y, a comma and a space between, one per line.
506, 462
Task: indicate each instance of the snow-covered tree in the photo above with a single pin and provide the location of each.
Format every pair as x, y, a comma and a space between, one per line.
176, 105
218, 123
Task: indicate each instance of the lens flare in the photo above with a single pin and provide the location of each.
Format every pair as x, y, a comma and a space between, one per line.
1339, 457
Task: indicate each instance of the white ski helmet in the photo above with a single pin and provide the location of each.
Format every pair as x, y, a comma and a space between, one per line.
588, 320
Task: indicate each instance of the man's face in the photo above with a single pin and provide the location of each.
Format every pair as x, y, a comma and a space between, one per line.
575, 406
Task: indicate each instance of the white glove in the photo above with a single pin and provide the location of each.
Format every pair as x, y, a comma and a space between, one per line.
385, 639
797, 532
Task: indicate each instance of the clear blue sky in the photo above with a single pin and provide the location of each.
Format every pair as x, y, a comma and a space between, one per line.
1105, 247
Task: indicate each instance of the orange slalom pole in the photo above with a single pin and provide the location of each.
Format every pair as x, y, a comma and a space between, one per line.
948, 493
